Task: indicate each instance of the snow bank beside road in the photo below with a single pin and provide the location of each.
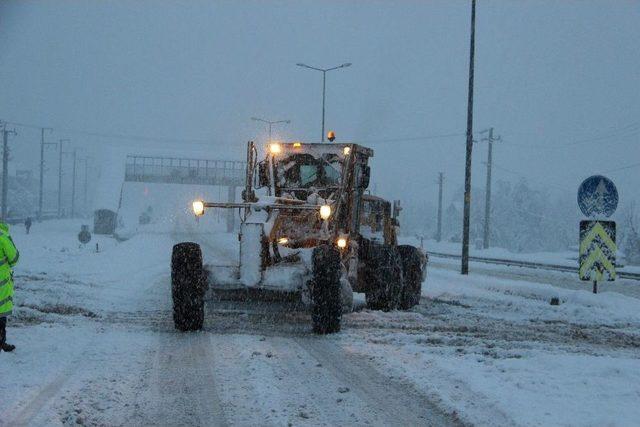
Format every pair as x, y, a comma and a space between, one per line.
496, 352
526, 300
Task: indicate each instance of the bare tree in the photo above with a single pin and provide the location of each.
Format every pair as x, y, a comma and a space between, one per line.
630, 236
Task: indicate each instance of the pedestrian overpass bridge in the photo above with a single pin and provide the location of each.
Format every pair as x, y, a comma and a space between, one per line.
173, 170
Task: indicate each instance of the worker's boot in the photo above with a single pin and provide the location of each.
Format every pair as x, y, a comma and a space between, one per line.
7, 347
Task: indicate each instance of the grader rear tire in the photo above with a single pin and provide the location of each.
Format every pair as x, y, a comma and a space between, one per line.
412, 273
326, 296
385, 276
188, 286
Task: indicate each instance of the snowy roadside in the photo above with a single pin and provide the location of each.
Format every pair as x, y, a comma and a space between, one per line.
498, 353
566, 258
558, 279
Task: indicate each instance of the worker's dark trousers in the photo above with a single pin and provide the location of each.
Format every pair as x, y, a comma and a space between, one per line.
3, 329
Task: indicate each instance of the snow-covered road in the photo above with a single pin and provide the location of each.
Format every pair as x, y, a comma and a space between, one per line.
96, 346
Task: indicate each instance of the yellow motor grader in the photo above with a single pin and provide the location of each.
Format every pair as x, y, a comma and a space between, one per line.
308, 227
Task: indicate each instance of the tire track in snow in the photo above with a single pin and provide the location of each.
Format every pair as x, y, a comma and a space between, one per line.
396, 403
27, 413
33, 408
184, 388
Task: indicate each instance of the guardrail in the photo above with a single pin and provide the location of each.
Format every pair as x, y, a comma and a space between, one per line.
528, 264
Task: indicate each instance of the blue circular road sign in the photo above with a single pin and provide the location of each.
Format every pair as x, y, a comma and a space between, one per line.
597, 195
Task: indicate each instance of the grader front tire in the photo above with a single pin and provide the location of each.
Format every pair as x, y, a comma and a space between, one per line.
188, 286
326, 311
412, 273
386, 282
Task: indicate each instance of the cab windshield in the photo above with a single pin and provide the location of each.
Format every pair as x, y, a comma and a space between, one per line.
305, 171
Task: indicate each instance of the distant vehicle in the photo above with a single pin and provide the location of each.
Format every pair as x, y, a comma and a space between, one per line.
145, 217
104, 221
315, 233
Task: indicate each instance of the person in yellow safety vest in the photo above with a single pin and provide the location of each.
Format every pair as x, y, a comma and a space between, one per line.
8, 259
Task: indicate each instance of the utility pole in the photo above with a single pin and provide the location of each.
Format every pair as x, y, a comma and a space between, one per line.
86, 179
464, 268
62, 141
73, 187
440, 184
41, 190
5, 170
85, 160
487, 203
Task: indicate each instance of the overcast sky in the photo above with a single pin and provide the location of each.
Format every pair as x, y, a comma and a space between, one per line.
558, 80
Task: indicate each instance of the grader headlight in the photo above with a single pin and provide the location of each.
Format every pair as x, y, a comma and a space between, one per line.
325, 212
275, 148
198, 207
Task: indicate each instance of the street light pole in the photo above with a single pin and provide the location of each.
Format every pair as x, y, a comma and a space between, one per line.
464, 268
270, 123
324, 90
324, 84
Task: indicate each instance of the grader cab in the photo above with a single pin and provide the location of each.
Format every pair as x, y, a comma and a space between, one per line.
308, 228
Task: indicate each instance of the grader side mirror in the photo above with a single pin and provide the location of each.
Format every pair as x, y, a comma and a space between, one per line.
396, 208
263, 174
365, 177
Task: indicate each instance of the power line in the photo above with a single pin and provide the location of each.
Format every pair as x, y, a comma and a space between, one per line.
528, 178
112, 135
635, 165
623, 132
414, 138
206, 141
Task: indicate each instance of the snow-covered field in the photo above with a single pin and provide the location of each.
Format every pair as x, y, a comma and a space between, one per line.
96, 346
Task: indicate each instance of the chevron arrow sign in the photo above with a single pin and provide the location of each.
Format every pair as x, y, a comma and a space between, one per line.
597, 250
